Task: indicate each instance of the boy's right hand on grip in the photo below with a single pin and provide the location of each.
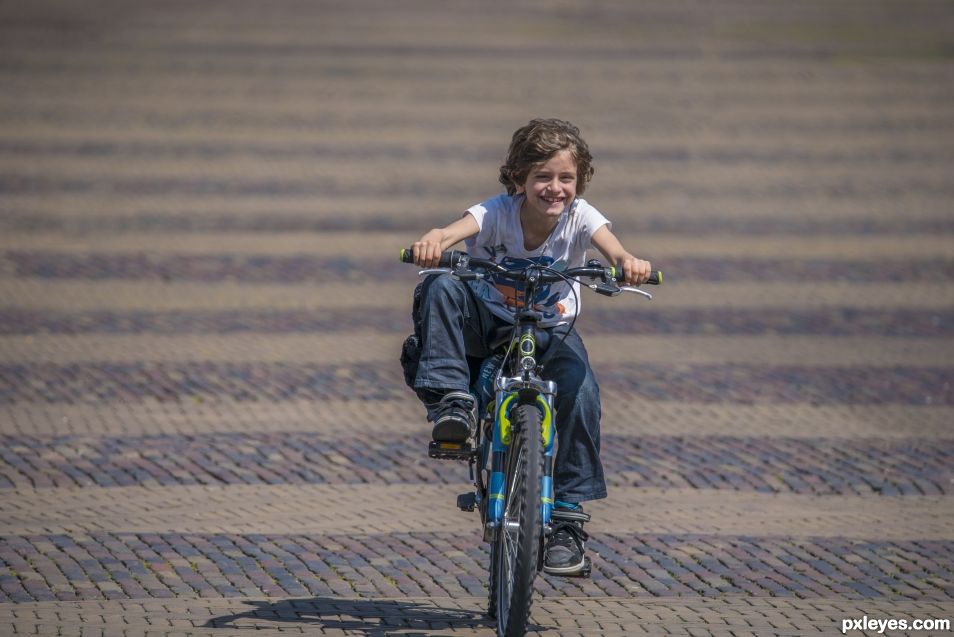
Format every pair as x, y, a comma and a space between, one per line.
411, 255
427, 250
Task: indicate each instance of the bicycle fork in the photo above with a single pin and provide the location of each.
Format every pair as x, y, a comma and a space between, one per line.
503, 435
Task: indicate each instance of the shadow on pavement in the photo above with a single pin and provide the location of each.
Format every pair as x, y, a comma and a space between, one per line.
360, 616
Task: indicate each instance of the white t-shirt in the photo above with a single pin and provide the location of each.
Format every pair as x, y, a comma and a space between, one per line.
501, 239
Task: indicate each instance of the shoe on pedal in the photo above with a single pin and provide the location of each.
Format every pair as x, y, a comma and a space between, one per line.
567, 543
454, 417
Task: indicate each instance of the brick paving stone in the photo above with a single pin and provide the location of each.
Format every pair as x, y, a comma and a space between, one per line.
551, 616
97, 296
263, 184
287, 269
623, 413
146, 296
373, 348
706, 383
377, 508
776, 465
131, 566
160, 296
166, 222
685, 242
832, 321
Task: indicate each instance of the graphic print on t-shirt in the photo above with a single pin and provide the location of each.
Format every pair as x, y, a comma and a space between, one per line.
514, 293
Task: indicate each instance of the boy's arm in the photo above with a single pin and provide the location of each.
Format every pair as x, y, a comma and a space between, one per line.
635, 270
427, 249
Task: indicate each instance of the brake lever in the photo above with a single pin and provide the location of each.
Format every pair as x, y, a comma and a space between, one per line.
467, 276
464, 275
605, 289
627, 288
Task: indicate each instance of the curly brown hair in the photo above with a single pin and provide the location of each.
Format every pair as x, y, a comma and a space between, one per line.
537, 142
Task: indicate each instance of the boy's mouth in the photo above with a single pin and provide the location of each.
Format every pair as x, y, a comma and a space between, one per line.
553, 200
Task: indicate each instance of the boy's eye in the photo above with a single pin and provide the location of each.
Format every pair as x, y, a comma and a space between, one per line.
546, 177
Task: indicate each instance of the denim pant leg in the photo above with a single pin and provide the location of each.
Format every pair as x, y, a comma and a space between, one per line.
578, 471
454, 324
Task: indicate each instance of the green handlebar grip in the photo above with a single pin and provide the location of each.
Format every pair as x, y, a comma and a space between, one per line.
655, 277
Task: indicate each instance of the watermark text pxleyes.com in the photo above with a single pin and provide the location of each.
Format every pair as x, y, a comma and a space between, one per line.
881, 625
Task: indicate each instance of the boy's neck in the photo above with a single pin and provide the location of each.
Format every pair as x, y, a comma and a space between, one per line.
535, 229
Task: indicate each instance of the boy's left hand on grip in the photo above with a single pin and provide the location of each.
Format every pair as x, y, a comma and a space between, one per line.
635, 271
446, 258
655, 277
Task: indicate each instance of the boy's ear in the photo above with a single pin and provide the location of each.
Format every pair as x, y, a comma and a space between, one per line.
521, 190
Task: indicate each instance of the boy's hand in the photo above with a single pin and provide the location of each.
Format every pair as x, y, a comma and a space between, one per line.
636, 271
427, 250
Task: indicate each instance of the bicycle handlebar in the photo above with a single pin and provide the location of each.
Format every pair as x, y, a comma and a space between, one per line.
455, 260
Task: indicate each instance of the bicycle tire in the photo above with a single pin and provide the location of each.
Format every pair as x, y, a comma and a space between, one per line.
515, 550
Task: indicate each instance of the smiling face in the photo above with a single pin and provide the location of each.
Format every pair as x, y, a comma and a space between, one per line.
550, 187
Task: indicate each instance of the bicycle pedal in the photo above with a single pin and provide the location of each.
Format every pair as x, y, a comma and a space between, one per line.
467, 501
587, 568
450, 450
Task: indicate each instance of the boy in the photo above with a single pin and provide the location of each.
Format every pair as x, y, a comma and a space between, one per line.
540, 219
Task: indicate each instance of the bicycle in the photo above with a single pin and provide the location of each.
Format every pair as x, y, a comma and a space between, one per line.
511, 460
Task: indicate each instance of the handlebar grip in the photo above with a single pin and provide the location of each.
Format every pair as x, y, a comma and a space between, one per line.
655, 277
449, 259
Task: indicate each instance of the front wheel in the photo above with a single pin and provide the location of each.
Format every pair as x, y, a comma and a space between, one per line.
516, 545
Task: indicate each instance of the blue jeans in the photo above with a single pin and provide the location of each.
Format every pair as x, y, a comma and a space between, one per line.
455, 324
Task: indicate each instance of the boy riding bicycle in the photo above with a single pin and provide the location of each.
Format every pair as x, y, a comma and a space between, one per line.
541, 220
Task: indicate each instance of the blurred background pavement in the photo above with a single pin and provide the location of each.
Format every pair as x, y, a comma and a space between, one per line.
201, 409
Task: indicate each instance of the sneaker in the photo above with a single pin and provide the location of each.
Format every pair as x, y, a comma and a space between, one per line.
454, 417
567, 543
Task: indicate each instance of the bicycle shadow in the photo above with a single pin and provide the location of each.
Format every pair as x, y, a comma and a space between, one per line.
371, 617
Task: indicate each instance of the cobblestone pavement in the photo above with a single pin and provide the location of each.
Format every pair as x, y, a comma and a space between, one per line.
203, 427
